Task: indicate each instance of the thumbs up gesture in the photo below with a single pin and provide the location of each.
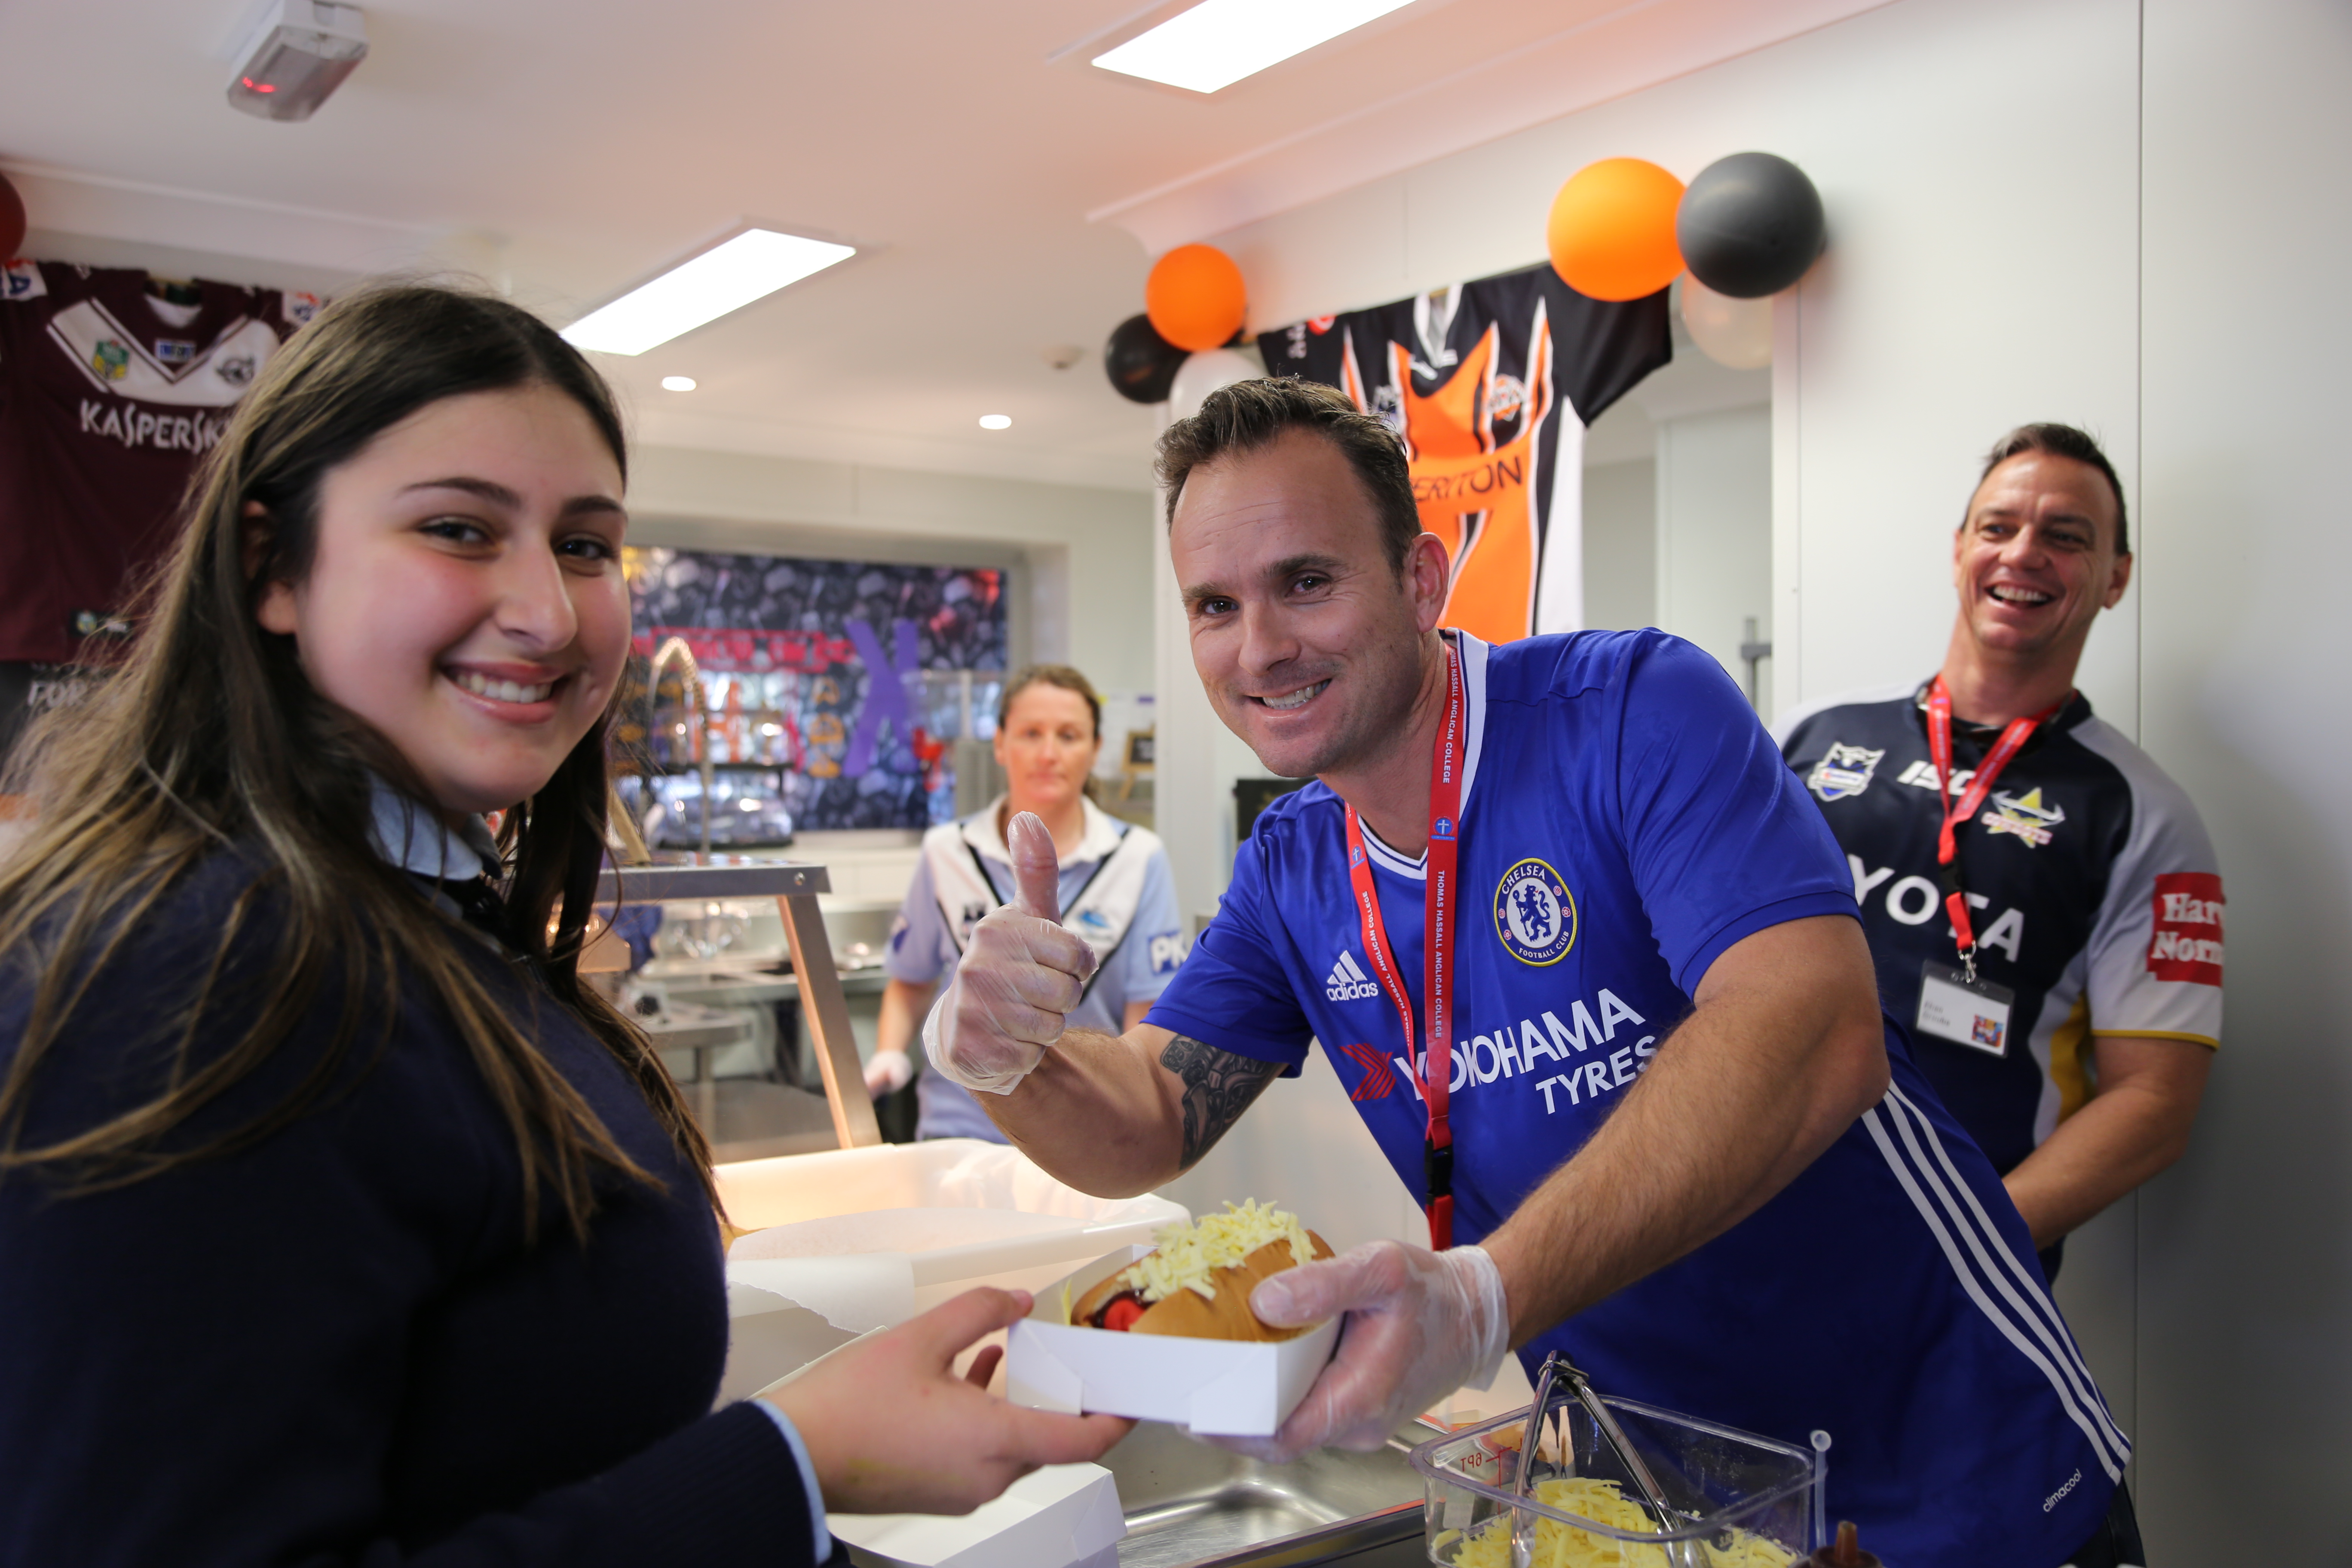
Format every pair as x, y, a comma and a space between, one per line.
1019, 976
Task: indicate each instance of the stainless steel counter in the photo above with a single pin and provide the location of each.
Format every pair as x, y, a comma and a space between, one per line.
815, 984
1192, 1505
752, 987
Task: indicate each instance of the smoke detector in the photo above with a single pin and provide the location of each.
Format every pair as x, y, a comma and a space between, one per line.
296, 54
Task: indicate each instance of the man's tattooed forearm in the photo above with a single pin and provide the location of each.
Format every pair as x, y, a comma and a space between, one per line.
1218, 1086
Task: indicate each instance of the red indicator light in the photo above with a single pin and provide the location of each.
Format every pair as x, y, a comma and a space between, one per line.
257, 86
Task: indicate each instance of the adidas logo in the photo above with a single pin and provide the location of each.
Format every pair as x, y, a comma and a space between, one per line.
1347, 982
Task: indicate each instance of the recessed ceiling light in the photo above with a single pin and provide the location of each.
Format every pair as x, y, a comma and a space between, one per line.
996, 421
728, 276
677, 383
1218, 42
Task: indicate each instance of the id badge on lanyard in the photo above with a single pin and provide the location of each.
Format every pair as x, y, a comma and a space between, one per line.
1433, 1062
1954, 1004
1954, 1007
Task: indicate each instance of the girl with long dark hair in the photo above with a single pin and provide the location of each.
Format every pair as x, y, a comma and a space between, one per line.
340, 1221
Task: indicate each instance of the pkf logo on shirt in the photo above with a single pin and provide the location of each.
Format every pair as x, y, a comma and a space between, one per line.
1167, 951
2187, 944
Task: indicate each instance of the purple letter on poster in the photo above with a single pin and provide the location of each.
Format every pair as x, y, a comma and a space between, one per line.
885, 692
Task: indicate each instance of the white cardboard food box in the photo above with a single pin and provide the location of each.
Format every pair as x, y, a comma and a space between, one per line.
1064, 1515
936, 1218
1223, 1387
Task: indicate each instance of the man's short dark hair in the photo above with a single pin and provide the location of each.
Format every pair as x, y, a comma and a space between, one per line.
1251, 415
2060, 441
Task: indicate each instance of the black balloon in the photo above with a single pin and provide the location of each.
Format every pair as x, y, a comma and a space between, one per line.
1140, 362
1750, 225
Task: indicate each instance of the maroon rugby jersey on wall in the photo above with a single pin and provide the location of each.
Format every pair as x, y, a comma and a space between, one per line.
109, 396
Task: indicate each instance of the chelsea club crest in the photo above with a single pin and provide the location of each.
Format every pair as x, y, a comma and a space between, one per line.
1844, 771
1535, 914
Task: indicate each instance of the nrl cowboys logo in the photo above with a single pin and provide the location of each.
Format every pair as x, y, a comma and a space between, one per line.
1535, 914
2024, 815
1844, 771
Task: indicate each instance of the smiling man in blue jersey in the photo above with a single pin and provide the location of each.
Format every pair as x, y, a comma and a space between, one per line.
1666, 1129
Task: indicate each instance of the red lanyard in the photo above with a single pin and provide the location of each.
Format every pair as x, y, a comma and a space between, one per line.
1939, 751
1437, 945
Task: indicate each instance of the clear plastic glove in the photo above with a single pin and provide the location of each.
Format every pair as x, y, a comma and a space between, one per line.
1419, 1325
1020, 975
888, 1072
891, 1429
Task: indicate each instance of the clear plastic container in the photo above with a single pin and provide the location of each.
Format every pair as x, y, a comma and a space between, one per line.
1739, 1500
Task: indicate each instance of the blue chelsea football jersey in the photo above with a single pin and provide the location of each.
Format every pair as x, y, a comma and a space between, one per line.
1625, 819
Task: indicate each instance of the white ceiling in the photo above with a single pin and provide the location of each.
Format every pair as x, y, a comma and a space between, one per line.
569, 149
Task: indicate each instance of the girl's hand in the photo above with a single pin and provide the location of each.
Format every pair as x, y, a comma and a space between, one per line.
891, 1429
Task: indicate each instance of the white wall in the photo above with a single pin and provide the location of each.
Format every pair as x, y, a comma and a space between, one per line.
1974, 280
1199, 758
2245, 1248
2032, 220
1713, 477
1621, 544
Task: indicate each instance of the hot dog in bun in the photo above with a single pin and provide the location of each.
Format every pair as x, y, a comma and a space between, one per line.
1197, 1282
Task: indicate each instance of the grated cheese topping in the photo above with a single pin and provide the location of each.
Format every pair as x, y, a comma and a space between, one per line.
1190, 1255
1559, 1545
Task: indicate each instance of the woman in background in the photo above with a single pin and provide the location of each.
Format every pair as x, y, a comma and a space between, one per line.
340, 1222
1116, 892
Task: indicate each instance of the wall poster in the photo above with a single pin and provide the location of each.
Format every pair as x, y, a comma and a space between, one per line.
847, 681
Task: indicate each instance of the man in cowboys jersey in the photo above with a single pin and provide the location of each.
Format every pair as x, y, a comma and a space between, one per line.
2095, 897
1685, 1147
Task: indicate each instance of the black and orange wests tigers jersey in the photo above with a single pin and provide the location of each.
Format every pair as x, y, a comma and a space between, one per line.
1491, 384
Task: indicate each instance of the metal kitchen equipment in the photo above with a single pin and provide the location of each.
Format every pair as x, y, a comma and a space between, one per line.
1557, 1369
794, 886
675, 648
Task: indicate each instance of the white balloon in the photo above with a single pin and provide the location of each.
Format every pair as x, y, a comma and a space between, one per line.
1736, 334
1203, 374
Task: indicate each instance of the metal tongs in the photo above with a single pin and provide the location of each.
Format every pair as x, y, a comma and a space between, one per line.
1557, 1369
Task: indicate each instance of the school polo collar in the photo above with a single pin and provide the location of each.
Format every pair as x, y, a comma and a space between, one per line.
414, 837
1102, 834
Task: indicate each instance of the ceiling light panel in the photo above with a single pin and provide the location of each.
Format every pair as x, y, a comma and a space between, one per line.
1219, 42
728, 276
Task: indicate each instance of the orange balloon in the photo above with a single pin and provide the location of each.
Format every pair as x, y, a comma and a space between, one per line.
1611, 233
1194, 296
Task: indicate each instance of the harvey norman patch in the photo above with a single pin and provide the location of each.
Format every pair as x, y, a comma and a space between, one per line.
1535, 914
2186, 943
1844, 771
